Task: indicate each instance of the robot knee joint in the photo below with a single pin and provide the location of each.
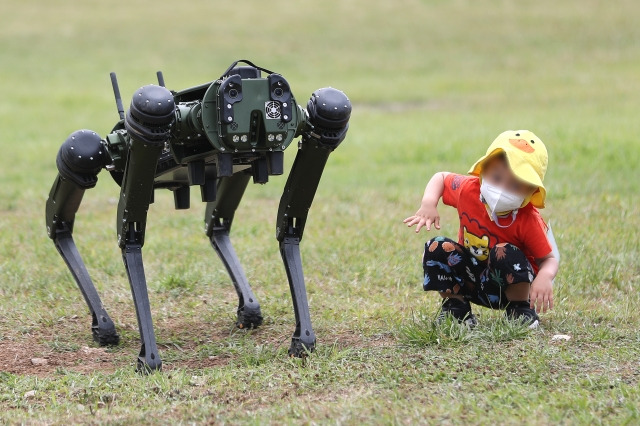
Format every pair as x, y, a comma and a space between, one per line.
81, 157
329, 111
151, 114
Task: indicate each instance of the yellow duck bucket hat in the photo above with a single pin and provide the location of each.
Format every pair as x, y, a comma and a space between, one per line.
527, 158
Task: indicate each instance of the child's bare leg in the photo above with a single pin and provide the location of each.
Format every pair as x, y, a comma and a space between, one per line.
518, 308
518, 292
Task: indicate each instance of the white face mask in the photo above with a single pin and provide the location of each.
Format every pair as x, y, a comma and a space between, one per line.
499, 201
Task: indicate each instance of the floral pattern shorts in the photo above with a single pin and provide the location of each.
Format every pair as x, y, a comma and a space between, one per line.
449, 267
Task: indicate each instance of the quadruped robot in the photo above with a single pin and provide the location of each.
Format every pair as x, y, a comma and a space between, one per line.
217, 136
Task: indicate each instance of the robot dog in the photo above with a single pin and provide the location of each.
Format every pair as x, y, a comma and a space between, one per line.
218, 136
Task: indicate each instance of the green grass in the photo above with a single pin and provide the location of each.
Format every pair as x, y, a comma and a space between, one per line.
432, 83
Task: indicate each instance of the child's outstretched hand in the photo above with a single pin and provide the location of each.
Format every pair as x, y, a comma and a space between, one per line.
427, 214
424, 217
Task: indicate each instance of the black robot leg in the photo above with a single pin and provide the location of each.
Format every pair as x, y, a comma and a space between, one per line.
80, 159
292, 214
218, 218
329, 111
148, 358
148, 124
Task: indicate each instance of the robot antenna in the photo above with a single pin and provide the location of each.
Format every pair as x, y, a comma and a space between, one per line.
160, 78
116, 93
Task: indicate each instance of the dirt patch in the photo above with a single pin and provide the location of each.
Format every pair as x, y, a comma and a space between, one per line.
31, 358
37, 353
27, 357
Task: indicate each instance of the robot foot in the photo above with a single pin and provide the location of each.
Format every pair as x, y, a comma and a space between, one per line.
148, 365
249, 317
300, 348
103, 330
105, 337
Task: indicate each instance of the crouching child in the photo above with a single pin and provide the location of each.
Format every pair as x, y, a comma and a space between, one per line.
501, 258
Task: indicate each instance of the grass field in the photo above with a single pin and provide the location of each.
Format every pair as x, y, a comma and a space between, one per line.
432, 83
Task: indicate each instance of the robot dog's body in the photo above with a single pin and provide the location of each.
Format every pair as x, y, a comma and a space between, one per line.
218, 136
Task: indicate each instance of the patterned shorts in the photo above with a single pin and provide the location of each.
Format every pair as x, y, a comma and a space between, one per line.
449, 267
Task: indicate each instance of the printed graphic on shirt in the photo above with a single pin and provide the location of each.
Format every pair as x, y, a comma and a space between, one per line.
478, 246
456, 182
478, 233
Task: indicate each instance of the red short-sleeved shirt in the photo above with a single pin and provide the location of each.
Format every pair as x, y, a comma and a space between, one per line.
479, 233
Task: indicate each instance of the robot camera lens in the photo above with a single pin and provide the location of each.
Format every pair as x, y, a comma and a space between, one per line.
278, 92
233, 93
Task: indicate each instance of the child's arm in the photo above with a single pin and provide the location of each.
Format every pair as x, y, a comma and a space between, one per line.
427, 214
541, 294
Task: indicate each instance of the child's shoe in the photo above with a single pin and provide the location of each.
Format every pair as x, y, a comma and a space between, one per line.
458, 309
521, 311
